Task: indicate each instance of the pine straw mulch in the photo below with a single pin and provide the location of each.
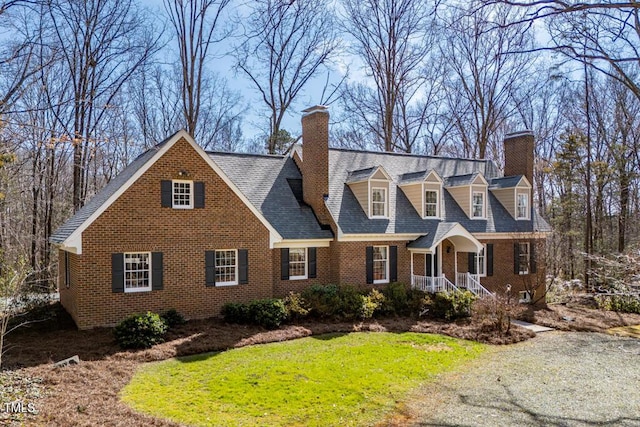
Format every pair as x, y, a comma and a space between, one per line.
87, 394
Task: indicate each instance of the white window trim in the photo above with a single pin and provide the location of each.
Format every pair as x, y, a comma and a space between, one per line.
147, 288
526, 208
484, 204
191, 189
484, 261
424, 204
386, 279
520, 271
524, 297
215, 267
386, 202
306, 264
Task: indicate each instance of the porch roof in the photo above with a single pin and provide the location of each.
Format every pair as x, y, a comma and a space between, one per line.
456, 233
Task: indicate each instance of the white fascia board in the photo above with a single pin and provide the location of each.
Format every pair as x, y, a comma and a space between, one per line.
377, 237
303, 243
75, 239
514, 235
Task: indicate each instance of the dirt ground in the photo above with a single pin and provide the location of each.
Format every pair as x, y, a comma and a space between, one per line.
87, 394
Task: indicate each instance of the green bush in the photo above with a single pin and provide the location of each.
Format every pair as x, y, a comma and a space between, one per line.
172, 318
140, 331
401, 300
297, 307
269, 313
236, 312
370, 303
620, 303
323, 300
351, 302
452, 305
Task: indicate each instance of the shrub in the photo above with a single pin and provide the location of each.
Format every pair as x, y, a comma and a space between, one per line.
269, 313
323, 300
172, 318
396, 299
370, 303
140, 331
235, 312
495, 314
351, 302
297, 308
452, 305
620, 303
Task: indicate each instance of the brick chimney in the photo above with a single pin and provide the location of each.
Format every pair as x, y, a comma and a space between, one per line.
315, 159
518, 154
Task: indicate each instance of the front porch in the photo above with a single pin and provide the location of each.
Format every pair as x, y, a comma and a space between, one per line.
447, 261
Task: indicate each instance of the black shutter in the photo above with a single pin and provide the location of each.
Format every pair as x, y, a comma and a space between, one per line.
243, 266
427, 268
516, 258
311, 252
156, 271
210, 268
393, 263
198, 195
472, 263
166, 191
489, 259
117, 272
284, 263
369, 264
532, 257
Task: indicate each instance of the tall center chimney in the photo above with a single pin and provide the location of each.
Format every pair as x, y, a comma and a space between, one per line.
518, 154
315, 159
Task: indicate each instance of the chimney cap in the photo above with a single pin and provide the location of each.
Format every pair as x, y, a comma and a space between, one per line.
315, 109
525, 132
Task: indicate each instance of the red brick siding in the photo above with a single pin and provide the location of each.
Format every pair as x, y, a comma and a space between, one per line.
136, 222
323, 274
69, 295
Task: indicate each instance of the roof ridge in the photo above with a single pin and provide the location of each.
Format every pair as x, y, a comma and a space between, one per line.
422, 156
243, 154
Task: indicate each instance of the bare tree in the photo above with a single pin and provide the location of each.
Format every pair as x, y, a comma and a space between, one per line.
197, 25
393, 39
285, 45
486, 69
102, 43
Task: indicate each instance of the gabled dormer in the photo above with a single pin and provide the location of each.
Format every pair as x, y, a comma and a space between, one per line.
371, 188
424, 191
514, 193
470, 192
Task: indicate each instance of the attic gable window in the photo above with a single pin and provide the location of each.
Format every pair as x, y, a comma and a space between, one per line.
522, 206
431, 204
477, 207
378, 202
182, 194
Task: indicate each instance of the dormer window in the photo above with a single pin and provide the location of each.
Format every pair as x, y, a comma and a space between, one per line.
478, 204
523, 206
378, 202
431, 204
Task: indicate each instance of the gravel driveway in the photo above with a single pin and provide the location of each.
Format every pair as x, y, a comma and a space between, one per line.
555, 379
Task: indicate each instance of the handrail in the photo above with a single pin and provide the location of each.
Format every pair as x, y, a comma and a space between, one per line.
432, 284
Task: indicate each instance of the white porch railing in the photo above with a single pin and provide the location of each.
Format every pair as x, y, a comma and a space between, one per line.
472, 283
432, 284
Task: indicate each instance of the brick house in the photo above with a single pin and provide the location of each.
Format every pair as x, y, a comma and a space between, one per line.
187, 229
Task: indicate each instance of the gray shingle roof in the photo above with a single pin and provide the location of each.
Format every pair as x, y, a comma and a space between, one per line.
66, 229
403, 218
263, 180
505, 182
413, 177
360, 175
457, 180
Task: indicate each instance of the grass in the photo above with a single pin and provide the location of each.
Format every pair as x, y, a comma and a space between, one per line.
354, 379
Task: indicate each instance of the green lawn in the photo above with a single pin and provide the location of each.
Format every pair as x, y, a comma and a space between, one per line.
330, 380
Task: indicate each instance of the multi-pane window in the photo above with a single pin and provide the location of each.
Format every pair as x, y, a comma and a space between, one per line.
137, 272
524, 255
431, 203
182, 194
380, 264
478, 204
482, 262
297, 263
226, 267
378, 202
523, 202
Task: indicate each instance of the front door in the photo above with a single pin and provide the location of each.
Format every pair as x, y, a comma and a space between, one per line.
431, 266
448, 260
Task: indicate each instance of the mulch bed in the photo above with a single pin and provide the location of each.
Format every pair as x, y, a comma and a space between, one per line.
87, 394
